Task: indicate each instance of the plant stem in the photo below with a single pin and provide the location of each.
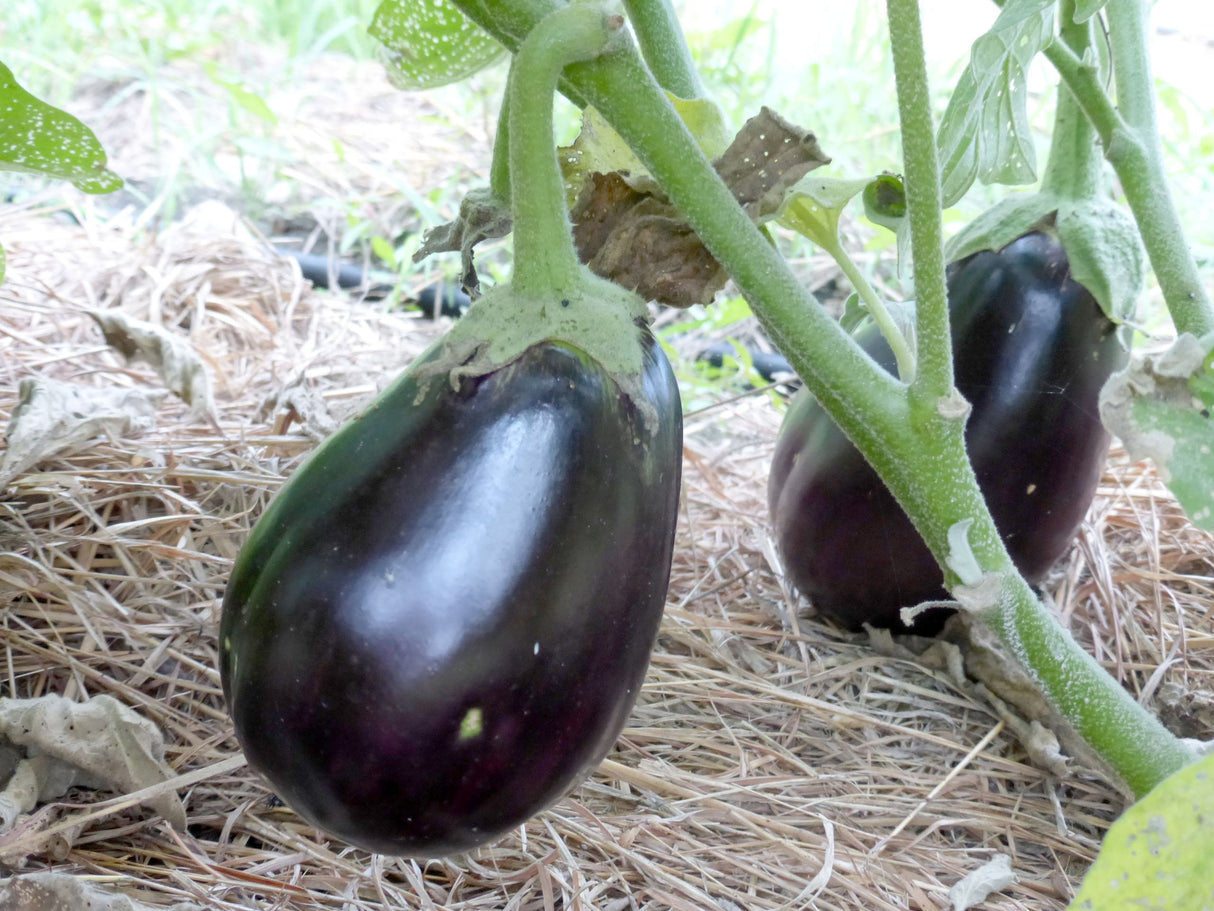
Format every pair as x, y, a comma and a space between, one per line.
904, 357
544, 255
1130, 739
934, 378
1074, 168
664, 47
499, 167
1130, 137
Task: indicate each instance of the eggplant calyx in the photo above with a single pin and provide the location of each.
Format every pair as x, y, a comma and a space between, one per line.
600, 319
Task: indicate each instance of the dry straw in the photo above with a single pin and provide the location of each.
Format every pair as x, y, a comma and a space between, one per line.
772, 761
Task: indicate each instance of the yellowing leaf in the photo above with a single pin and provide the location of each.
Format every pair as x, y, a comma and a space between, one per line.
1160, 853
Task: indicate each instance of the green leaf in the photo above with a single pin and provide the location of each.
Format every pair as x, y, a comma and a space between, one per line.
1010, 218
1160, 853
706, 122
985, 134
1105, 251
1160, 406
382, 247
240, 95
1086, 9
813, 205
37, 138
3, 263
429, 43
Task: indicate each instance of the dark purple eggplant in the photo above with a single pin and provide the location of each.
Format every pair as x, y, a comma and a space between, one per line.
442, 621
1031, 350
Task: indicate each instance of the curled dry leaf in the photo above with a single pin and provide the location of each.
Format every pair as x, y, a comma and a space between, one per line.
57, 418
61, 892
993, 876
298, 403
173, 357
52, 744
628, 232
482, 216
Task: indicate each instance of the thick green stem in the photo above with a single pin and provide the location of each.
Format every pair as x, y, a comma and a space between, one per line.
499, 167
664, 47
1074, 169
934, 377
923, 463
544, 255
1130, 739
1130, 137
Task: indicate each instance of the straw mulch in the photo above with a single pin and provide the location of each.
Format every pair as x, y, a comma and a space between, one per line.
771, 762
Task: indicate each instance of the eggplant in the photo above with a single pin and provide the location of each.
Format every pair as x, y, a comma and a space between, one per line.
441, 622
1031, 350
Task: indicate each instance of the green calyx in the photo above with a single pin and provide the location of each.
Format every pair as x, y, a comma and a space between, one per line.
588, 313
552, 297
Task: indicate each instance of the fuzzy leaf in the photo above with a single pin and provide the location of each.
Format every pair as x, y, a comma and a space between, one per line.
429, 43
600, 148
1105, 251
1160, 406
1160, 853
1010, 218
172, 355
985, 131
993, 876
596, 148
627, 231
37, 138
814, 204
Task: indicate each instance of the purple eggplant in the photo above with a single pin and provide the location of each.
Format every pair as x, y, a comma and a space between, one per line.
1032, 349
441, 623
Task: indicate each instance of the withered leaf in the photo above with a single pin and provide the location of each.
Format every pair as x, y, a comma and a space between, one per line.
482, 216
172, 355
53, 418
64, 892
628, 232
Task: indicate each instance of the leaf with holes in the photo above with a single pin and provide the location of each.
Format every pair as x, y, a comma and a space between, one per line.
37, 138
428, 43
985, 131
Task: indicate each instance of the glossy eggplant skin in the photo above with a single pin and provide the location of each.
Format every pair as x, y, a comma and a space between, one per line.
1031, 350
442, 621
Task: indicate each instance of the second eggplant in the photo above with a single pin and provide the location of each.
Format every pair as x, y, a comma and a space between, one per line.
1032, 349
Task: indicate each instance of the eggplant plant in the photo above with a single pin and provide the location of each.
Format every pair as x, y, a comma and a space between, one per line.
910, 423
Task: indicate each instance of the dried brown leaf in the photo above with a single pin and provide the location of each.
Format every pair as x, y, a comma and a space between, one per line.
53, 417
628, 232
61, 892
